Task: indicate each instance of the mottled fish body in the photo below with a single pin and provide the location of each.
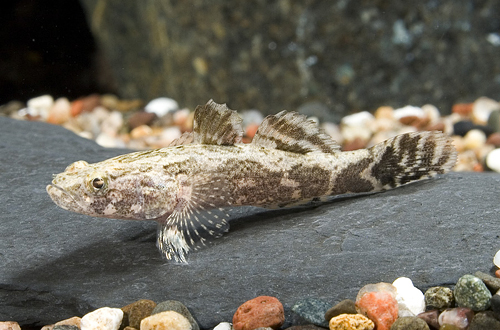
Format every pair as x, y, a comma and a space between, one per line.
186, 186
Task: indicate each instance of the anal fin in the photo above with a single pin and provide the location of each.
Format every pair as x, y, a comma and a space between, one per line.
290, 131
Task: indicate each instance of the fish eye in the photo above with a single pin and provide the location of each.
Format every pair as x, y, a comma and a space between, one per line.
98, 183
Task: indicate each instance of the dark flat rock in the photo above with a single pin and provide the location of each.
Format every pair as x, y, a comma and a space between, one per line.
56, 264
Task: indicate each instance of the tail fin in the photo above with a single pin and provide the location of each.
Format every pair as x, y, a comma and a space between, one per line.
411, 157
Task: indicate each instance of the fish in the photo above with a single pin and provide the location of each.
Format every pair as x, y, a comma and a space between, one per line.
188, 186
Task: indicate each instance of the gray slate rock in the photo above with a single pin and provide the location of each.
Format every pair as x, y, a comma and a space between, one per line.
57, 264
312, 310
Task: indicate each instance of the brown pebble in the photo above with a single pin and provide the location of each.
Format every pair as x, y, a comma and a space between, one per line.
128, 327
355, 144
76, 107
251, 130
263, 311
494, 139
497, 273
463, 109
140, 118
436, 127
136, 311
431, 318
478, 168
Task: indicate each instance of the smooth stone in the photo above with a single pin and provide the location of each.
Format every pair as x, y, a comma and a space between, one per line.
136, 311
351, 322
128, 327
161, 106
60, 111
75, 320
57, 272
494, 139
472, 293
168, 320
346, 306
495, 302
358, 119
409, 297
312, 310
474, 139
408, 111
176, 306
448, 327
494, 120
380, 306
482, 109
262, 311
40, 106
439, 297
140, 118
431, 318
223, 326
484, 321
459, 317
65, 327
462, 127
493, 161
104, 318
491, 282
9, 325
409, 323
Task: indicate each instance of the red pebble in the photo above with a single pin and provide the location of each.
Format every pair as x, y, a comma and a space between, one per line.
380, 307
497, 273
263, 311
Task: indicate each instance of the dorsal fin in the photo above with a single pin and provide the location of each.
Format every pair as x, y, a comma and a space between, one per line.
185, 138
216, 124
290, 131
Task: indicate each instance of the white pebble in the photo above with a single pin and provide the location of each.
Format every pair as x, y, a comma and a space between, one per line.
496, 259
408, 111
334, 131
161, 106
224, 326
112, 124
493, 162
40, 106
474, 139
106, 141
409, 297
362, 118
60, 112
482, 108
168, 320
104, 318
432, 113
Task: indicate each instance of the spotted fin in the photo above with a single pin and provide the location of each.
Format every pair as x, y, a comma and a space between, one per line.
216, 124
290, 131
197, 217
185, 138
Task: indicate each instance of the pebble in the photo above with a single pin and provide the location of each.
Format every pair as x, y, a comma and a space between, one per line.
494, 120
75, 320
136, 311
439, 297
169, 320
9, 325
474, 139
59, 112
112, 124
483, 321
491, 282
176, 306
471, 292
40, 106
448, 327
262, 311
346, 306
106, 141
161, 106
493, 162
65, 327
409, 297
378, 302
312, 310
140, 118
459, 317
432, 113
461, 128
482, 109
495, 302
305, 327
104, 318
409, 323
463, 109
351, 322
408, 111
224, 326
431, 318
494, 139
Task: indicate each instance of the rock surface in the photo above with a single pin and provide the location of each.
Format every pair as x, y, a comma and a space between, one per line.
57, 264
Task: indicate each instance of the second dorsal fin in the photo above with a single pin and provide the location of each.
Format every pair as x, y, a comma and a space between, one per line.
290, 131
216, 124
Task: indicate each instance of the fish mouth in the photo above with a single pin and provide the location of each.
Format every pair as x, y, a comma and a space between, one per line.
63, 198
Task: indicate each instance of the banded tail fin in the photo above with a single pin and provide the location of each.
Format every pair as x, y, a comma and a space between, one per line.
411, 157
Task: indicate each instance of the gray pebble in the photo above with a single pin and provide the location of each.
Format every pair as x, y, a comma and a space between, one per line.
439, 297
483, 321
409, 323
491, 282
472, 293
312, 310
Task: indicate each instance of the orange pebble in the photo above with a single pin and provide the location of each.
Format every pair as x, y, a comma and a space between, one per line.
463, 109
478, 168
251, 130
497, 273
76, 107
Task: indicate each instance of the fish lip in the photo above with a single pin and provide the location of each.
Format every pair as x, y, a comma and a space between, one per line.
66, 193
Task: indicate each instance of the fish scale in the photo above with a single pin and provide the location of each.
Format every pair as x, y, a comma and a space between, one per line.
187, 186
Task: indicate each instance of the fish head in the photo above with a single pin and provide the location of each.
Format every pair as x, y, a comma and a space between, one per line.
107, 189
